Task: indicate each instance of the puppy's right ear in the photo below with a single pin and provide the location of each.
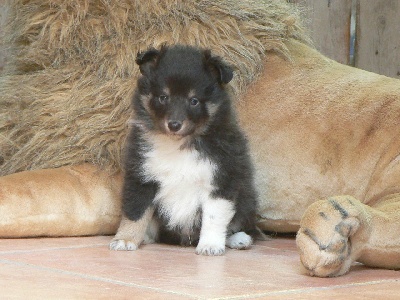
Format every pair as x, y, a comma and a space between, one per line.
147, 60
221, 70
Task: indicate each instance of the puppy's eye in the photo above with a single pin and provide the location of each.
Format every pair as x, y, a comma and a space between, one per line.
194, 101
162, 99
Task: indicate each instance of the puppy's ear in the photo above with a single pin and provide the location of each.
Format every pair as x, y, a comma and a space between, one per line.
147, 60
222, 71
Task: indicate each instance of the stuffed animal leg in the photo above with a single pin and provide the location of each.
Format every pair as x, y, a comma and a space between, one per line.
340, 230
73, 200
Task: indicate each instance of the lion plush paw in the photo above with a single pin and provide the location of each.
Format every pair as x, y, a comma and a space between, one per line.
331, 236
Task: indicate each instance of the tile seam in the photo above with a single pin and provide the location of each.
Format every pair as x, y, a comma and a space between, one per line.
307, 290
96, 278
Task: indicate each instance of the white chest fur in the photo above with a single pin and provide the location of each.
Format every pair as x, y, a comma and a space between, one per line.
185, 180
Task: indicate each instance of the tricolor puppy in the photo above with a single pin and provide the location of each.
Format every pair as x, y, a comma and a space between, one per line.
188, 175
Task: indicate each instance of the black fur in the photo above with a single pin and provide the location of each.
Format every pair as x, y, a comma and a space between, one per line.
214, 133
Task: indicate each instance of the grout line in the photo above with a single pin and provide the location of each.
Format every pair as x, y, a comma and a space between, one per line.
96, 278
307, 290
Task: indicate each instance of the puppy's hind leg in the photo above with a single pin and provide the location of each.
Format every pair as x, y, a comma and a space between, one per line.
130, 233
239, 240
243, 240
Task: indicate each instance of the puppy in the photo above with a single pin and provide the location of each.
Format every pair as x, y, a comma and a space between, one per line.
188, 175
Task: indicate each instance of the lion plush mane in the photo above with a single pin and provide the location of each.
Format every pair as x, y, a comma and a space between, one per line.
66, 89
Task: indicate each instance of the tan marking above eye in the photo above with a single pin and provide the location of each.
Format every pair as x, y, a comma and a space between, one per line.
191, 94
166, 91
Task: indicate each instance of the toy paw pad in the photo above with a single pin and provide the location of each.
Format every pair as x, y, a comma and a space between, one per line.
324, 239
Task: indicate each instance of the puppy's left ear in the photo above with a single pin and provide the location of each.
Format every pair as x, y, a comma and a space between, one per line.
147, 60
216, 65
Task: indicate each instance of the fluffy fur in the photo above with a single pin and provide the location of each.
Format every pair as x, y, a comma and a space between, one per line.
186, 157
70, 77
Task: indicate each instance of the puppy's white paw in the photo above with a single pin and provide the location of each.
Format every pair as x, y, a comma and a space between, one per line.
210, 247
123, 245
239, 240
211, 250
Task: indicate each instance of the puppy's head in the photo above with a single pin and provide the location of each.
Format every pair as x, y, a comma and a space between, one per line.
181, 89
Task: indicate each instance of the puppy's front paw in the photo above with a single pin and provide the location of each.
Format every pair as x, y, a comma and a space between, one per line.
210, 249
123, 245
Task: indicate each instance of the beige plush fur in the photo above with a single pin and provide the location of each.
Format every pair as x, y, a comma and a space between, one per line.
317, 129
68, 201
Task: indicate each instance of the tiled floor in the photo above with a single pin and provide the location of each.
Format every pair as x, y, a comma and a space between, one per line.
84, 268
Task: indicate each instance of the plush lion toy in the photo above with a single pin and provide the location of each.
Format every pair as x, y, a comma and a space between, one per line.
317, 129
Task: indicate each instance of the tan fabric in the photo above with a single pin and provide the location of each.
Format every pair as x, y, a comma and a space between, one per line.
318, 129
68, 201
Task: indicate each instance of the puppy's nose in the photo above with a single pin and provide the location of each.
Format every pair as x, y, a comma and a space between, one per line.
174, 126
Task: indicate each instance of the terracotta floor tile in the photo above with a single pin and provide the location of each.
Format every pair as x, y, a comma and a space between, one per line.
379, 290
22, 281
269, 269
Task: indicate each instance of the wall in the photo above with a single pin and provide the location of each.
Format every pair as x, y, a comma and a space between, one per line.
3, 11
373, 44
